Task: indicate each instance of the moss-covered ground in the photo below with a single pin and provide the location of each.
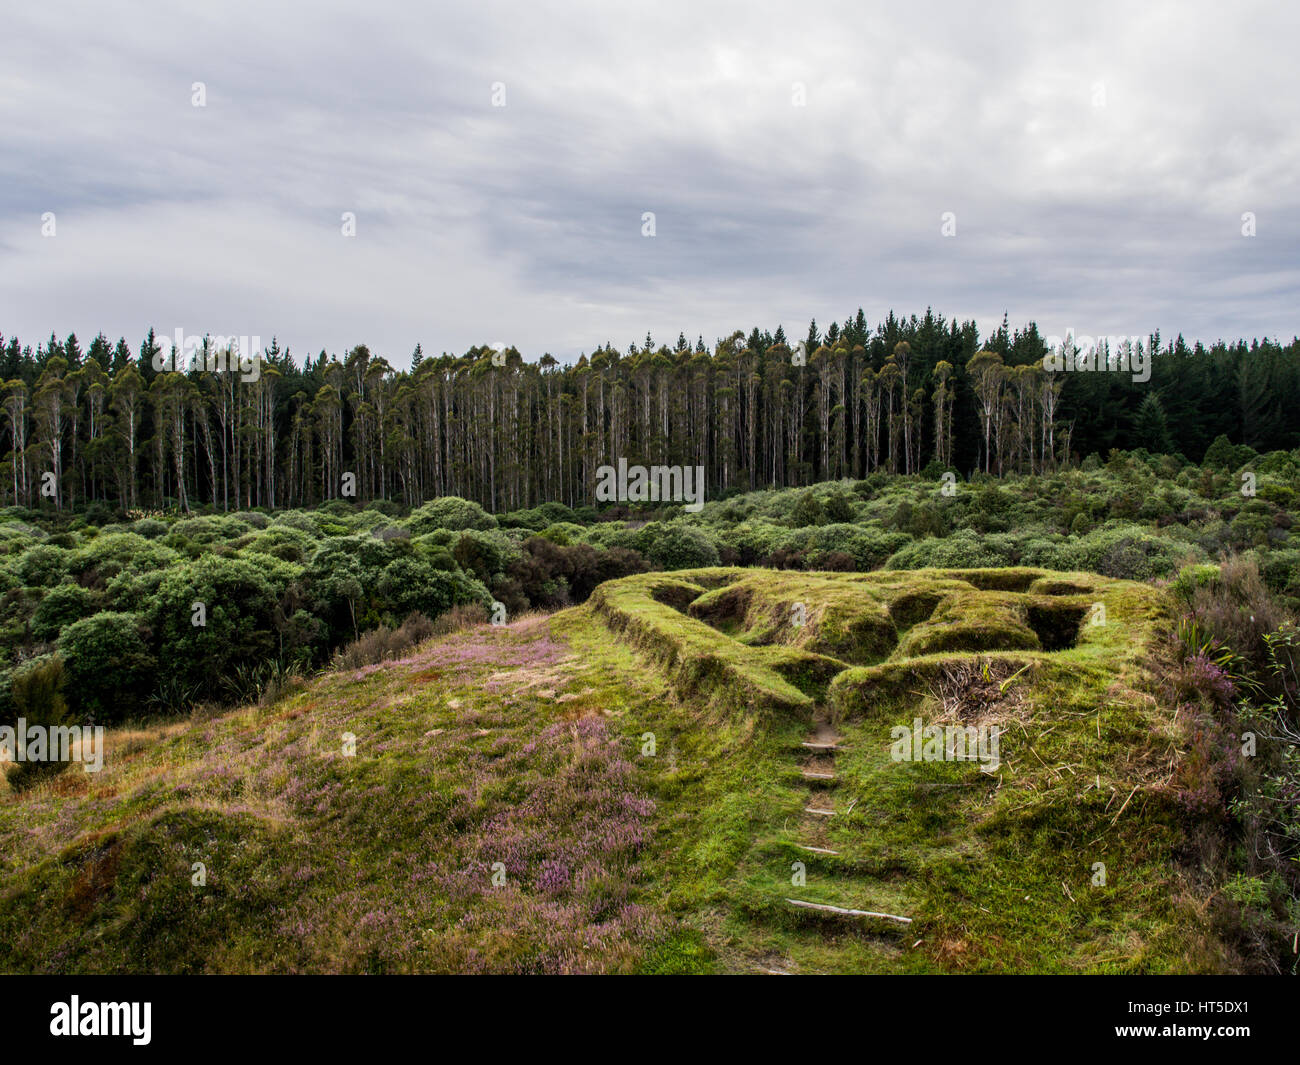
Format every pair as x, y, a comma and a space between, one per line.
620, 787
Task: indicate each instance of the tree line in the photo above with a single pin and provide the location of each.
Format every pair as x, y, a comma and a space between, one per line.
111, 425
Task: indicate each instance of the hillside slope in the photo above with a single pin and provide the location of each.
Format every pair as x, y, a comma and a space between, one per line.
645, 783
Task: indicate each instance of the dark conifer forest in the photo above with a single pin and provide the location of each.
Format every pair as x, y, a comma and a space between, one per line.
507, 430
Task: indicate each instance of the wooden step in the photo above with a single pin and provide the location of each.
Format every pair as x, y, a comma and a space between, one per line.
818, 812
815, 850
820, 746
811, 774
839, 911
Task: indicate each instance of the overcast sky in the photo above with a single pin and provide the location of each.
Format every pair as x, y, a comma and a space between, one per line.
798, 158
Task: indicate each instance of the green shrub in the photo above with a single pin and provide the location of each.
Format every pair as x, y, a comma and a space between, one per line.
15, 539
301, 520
807, 510
1201, 575
1222, 454
555, 513
564, 533
1247, 890
36, 691
1045, 553
1281, 571
1281, 464
108, 666
440, 558
239, 600
484, 554
840, 506
682, 547
283, 542
61, 607
926, 520
339, 509
209, 529
1254, 524
150, 528
390, 508
1127, 552
531, 520
410, 585
254, 518
869, 548
754, 539
43, 566
111, 553
449, 512
962, 550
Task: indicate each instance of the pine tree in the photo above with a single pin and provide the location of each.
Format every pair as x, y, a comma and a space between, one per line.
1150, 428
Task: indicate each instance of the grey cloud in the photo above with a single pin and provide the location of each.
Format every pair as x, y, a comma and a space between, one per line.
523, 223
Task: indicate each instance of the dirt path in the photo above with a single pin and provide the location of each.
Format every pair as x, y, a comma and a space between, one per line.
818, 768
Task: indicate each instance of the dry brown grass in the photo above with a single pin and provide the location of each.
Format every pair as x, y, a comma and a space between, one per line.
974, 691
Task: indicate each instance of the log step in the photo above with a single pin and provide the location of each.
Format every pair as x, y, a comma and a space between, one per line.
815, 850
820, 746
841, 912
812, 774
818, 812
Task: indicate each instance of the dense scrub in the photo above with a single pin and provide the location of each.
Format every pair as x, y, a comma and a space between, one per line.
156, 614
280, 592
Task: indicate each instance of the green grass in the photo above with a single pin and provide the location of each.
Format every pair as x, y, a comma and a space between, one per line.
647, 745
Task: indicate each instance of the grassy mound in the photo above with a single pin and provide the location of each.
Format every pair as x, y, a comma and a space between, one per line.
487, 819
821, 613
1060, 857
715, 631
701, 661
